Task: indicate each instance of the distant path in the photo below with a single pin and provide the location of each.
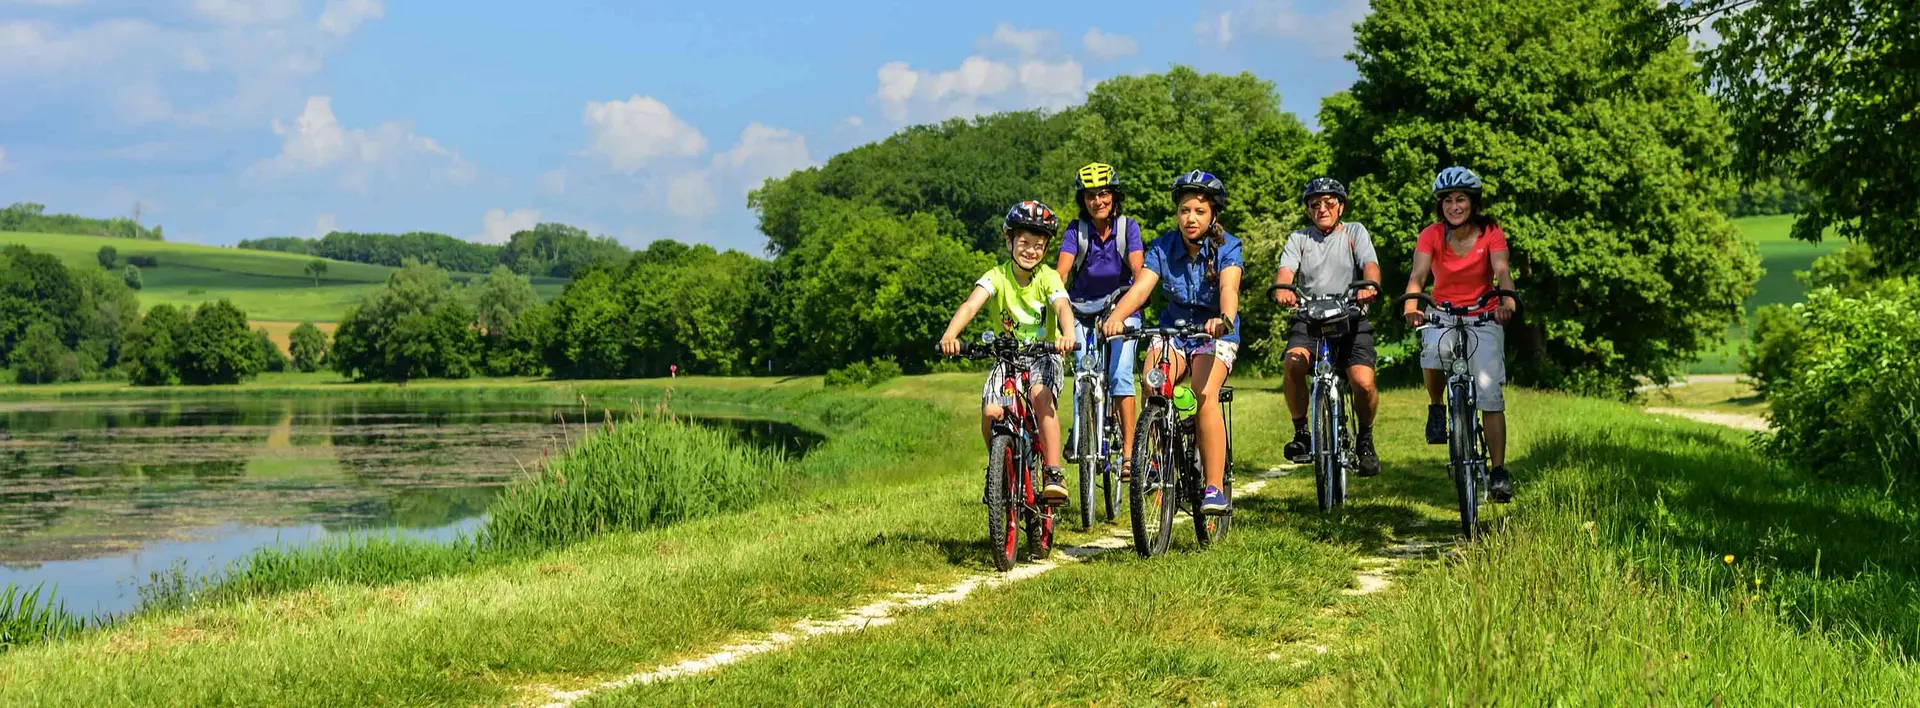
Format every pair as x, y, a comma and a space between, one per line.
1737, 421
1701, 378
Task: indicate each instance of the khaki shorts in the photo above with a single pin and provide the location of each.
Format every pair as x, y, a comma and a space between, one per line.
1487, 347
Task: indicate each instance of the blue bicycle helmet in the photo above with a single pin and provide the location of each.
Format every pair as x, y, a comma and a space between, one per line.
1457, 179
1204, 183
1324, 185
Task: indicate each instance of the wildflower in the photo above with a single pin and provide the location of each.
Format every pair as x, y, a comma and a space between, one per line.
1588, 526
1728, 559
1756, 582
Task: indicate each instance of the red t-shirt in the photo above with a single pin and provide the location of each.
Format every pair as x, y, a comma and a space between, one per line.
1459, 279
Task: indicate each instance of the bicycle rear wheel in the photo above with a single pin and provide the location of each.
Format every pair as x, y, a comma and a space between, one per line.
1110, 471
1462, 459
1150, 495
1003, 467
1086, 435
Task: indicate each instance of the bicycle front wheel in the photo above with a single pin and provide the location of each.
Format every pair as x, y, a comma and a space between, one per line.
1463, 459
1325, 452
1086, 435
1003, 511
1151, 493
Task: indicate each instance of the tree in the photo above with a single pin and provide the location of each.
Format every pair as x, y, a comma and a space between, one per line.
149, 353
41, 358
131, 276
309, 347
108, 308
217, 348
500, 301
35, 287
107, 256
413, 328
316, 268
1608, 179
1826, 91
267, 352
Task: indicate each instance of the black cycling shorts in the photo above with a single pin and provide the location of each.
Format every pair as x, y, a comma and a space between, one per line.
1353, 349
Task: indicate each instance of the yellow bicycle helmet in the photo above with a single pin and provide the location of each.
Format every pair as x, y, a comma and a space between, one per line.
1098, 175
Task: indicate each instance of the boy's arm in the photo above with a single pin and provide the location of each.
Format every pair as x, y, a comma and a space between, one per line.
950, 340
1062, 315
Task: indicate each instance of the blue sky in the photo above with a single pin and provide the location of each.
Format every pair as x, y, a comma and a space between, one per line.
232, 119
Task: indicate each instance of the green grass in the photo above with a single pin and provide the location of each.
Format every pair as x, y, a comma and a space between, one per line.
1780, 256
268, 285
1639, 608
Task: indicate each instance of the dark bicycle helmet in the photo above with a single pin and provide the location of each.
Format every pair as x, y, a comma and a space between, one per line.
1033, 216
1457, 179
1324, 185
1204, 183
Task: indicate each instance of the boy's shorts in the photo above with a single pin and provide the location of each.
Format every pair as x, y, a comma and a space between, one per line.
1045, 372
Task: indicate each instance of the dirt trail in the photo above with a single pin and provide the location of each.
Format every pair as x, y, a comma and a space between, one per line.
1737, 421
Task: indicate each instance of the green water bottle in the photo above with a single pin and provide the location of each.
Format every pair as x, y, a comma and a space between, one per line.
1183, 401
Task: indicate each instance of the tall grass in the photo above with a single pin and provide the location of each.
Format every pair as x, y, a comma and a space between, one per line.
636, 475
28, 616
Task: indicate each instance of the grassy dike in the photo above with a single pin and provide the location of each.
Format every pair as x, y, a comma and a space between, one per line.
1638, 607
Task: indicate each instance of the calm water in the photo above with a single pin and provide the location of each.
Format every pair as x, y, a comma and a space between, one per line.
95, 497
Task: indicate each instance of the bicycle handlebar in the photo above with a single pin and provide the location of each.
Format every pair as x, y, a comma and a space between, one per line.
1181, 329
989, 350
1455, 310
1353, 287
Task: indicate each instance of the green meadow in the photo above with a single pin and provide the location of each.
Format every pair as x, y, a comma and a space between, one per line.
1780, 256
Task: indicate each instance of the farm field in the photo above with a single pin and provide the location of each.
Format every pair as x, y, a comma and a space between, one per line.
1780, 256
267, 285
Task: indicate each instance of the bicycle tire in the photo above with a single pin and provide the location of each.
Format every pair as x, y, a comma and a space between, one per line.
1086, 434
1326, 462
1149, 498
1110, 473
1345, 453
1003, 463
1460, 453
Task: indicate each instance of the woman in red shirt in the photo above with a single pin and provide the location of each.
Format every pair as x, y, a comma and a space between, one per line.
1466, 252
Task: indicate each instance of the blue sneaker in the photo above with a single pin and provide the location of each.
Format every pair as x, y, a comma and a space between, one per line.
1213, 503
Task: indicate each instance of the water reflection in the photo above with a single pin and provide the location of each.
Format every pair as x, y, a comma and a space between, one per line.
132, 485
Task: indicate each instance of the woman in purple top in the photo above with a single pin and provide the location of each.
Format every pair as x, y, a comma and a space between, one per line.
1100, 254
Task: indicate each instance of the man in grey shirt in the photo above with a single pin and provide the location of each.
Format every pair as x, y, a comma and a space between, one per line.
1327, 256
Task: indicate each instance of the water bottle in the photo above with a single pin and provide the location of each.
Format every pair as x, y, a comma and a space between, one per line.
1183, 401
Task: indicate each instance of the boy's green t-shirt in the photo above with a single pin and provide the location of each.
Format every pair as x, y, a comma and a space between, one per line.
1027, 307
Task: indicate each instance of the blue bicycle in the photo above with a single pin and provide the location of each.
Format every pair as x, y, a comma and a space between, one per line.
1095, 443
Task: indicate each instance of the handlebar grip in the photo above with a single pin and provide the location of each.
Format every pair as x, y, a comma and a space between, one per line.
1284, 286
1421, 297
1499, 292
1359, 285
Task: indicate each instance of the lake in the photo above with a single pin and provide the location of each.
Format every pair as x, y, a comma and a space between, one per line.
95, 497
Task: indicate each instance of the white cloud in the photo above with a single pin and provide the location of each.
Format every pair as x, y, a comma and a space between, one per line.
3, 159
978, 85
763, 152
1108, 46
554, 181
1053, 84
1328, 31
633, 132
499, 225
1214, 28
856, 121
247, 12
1027, 42
324, 224
316, 141
342, 17
690, 195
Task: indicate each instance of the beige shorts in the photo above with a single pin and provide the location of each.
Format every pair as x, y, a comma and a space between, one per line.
1487, 360
1044, 371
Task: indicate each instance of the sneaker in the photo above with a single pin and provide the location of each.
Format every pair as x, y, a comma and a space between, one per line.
1214, 503
1126, 470
1055, 493
1436, 424
1500, 485
1297, 450
1369, 460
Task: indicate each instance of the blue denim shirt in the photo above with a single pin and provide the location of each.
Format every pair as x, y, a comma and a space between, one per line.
1189, 296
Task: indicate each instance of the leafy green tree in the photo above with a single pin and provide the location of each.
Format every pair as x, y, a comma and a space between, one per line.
217, 348
415, 327
131, 277
316, 268
1827, 91
267, 352
41, 358
108, 308
149, 354
35, 287
500, 301
1608, 179
309, 347
107, 256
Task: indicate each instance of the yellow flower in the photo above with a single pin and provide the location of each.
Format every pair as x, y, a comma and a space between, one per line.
1756, 582
1728, 559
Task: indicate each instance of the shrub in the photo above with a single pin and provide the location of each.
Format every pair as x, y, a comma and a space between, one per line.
309, 347
131, 276
864, 374
41, 358
217, 348
143, 261
269, 353
107, 255
1850, 403
1774, 352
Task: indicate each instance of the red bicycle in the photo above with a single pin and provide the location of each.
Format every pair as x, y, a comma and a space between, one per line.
1013, 456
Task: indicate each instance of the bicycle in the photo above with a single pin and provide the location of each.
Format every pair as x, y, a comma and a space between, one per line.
1097, 454
1329, 401
1466, 438
1167, 473
1013, 452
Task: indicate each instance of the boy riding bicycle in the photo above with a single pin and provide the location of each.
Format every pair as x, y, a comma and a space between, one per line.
1032, 304
1326, 256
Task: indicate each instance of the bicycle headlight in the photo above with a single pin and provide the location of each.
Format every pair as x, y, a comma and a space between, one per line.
1154, 379
1088, 361
1459, 366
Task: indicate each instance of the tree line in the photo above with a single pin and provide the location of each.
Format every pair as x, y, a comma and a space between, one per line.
546, 250
32, 218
